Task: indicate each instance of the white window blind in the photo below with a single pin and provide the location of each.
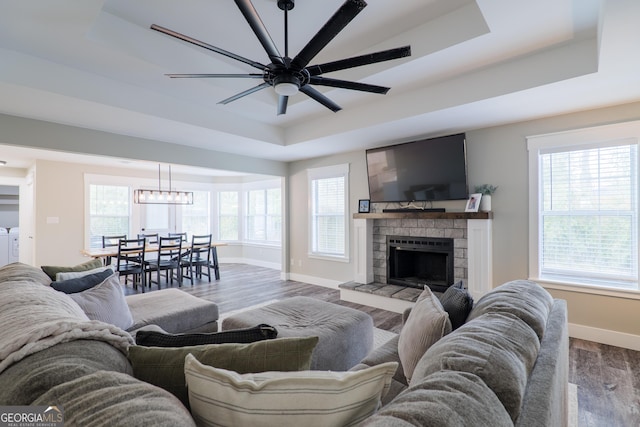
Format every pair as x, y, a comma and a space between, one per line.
228, 214
108, 212
264, 219
195, 217
329, 207
588, 213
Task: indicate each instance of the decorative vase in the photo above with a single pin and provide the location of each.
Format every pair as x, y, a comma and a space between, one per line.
485, 203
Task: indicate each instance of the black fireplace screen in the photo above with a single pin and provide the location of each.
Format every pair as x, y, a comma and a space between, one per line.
420, 261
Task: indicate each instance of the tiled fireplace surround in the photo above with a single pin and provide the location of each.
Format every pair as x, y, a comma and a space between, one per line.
471, 233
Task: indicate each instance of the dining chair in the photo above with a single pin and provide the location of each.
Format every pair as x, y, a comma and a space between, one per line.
197, 257
183, 236
151, 238
110, 242
131, 261
168, 260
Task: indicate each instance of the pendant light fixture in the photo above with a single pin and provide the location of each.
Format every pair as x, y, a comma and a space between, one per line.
162, 197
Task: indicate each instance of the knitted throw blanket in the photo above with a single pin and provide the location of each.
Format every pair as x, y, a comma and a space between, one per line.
34, 317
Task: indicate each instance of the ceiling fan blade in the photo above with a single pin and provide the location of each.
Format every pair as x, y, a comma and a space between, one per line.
282, 104
207, 46
344, 84
208, 76
256, 24
314, 94
244, 93
358, 61
331, 28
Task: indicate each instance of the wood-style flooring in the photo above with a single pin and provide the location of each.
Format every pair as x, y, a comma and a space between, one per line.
608, 377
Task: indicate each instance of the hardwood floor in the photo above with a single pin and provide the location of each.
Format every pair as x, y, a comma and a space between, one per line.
608, 378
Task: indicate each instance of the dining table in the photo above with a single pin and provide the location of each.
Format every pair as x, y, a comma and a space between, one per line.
112, 251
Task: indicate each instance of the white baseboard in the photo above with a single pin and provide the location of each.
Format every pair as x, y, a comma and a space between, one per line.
256, 262
390, 304
605, 336
312, 280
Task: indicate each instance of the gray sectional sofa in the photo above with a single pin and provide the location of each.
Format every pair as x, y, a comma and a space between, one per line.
507, 365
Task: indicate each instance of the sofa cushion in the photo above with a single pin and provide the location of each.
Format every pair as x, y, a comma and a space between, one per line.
457, 302
523, 298
426, 324
149, 338
116, 399
164, 367
498, 347
66, 275
18, 271
105, 302
445, 398
79, 284
308, 398
26, 380
52, 270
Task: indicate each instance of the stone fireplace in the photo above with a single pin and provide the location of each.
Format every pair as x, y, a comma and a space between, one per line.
420, 261
469, 233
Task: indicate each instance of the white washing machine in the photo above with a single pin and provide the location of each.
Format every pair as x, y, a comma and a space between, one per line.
14, 244
4, 246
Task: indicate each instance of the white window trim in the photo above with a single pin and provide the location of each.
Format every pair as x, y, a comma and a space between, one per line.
537, 144
320, 173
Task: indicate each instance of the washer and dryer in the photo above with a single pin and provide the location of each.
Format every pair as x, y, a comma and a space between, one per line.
14, 244
4, 246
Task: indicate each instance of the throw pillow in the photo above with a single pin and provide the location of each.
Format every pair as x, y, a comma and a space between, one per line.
80, 284
457, 302
66, 275
309, 398
106, 302
164, 367
426, 324
238, 336
51, 270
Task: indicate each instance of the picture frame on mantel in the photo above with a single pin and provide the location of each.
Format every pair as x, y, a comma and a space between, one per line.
364, 206
473, 203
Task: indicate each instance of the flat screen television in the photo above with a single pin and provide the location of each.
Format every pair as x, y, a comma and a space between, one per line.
424, 170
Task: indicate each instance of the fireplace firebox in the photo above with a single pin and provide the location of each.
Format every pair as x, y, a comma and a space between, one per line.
420, 261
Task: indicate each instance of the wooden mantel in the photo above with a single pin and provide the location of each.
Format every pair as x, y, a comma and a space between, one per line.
424, 215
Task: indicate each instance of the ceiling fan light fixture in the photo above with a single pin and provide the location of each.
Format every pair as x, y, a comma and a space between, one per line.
286, 85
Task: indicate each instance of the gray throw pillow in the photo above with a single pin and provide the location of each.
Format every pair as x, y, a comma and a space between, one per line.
499, 348
426, 324
458, 303
164, 367
106, 302
18, 271
261, 332
52, 270
79, 284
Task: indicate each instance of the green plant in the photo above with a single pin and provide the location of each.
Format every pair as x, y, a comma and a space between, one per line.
486, 189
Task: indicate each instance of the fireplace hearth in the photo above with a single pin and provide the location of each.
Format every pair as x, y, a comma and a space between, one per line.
420, 261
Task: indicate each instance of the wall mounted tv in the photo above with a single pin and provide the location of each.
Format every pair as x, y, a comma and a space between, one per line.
424, 170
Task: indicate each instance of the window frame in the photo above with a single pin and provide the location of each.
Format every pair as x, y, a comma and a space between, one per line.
328, 172
574, 140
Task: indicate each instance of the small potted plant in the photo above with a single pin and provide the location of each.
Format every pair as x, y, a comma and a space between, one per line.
486, 190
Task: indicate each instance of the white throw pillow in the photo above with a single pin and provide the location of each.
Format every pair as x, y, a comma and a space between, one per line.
304, 398
106, 302
75, 274
426, 324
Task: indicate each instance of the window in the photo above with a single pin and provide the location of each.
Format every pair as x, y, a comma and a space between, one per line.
587, 213
264, 219
228, 213
108, 212
195, 217
329, 210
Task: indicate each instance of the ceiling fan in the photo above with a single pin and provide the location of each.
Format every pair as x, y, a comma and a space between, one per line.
286, 75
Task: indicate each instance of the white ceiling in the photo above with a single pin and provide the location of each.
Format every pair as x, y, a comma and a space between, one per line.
96, 64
